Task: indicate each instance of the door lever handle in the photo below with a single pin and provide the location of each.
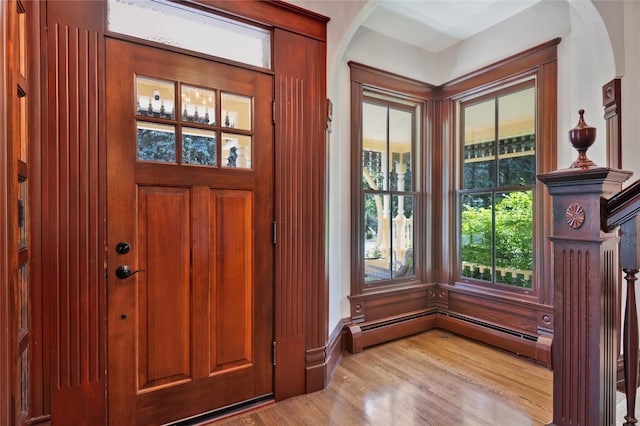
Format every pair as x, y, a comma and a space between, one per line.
123, 271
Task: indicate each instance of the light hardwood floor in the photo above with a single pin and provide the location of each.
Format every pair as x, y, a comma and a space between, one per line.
435, 378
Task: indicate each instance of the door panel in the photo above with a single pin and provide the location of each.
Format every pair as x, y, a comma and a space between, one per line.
164, 287
231, 321
191, 331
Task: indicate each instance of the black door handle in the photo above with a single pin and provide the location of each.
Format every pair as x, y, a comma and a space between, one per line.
123, 271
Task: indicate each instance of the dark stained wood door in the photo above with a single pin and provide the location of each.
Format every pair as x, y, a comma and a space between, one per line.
190, 205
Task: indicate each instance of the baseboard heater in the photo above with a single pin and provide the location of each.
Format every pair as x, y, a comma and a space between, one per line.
396, 320
529, 345
491, 326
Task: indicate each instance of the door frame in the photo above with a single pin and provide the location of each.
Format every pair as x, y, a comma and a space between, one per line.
202, 192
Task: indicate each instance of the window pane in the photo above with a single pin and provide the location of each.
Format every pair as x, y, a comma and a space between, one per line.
180, 26
516, 147
198, 105
402, 232
236, 112
400, 146
514, 238
156, 142
377, 237
198, 147
476, 235
236, 151
479, 145
155, 98
374, 147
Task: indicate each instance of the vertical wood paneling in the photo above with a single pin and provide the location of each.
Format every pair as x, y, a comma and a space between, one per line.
73, 230
291, 209
301, 288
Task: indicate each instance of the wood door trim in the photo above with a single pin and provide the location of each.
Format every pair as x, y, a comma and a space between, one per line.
6, 69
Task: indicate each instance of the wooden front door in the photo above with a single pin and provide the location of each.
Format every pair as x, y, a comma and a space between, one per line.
190, 251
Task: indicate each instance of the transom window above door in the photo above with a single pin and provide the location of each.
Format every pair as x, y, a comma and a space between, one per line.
185, 27
185, 124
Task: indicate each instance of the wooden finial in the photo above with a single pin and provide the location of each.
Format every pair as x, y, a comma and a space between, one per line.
582, 137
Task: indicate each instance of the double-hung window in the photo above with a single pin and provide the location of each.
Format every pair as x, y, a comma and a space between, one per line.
388, 189
388, 116
497, 134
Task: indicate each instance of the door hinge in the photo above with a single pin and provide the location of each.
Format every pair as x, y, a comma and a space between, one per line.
275, 230
273, 111
273, 348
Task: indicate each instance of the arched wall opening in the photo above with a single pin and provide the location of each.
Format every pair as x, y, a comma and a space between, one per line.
585, 62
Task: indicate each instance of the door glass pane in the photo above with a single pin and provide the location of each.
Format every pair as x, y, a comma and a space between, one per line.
198, 147
374, 147
236, 151
22, 214
479, 145
24, 136
400, 147
198, 105
23, 303
156, 142
476, 235
236, 111
402, 232
155, 98
514, 238
192, 29
24, 381
377, 237
517, 140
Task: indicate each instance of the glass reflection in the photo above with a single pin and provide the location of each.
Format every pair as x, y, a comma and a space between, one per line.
198, 105
517, 141
374, 147
479, 145
198, 147
377, 237
514, 238
22, 214
156, 142
402, 235
236, 111
155, 98
476, 235
400, 146
236, 151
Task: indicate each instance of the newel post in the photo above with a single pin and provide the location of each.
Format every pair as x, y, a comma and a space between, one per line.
585, 274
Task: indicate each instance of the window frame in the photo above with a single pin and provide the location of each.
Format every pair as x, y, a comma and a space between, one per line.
494, 93
366, 80
538, 64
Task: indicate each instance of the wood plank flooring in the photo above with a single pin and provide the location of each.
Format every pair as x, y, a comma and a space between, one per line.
434, 378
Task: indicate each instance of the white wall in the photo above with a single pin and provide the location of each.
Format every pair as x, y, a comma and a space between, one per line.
631, 89
585, 63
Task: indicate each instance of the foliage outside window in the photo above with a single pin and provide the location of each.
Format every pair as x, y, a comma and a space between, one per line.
498, 177
387, 188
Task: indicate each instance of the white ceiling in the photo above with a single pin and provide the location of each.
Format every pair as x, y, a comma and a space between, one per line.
435, 25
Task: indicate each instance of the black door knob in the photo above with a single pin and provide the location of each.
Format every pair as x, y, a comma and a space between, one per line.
123, 271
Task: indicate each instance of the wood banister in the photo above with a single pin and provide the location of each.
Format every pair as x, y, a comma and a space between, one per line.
622, 207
